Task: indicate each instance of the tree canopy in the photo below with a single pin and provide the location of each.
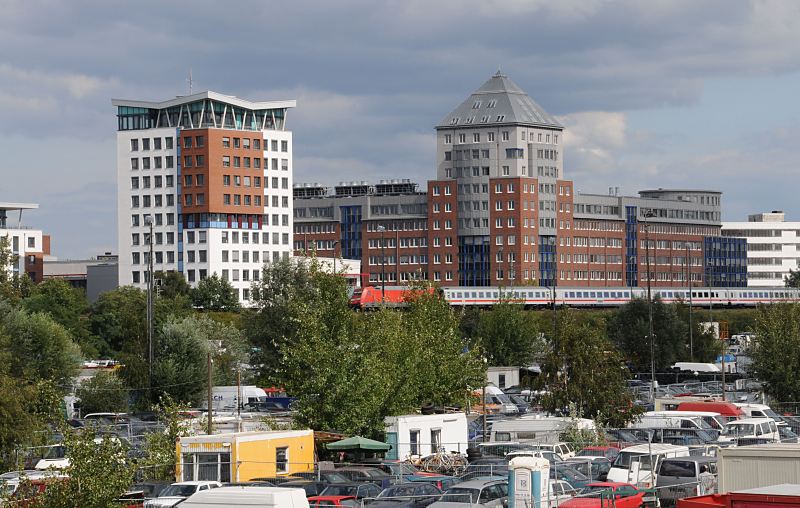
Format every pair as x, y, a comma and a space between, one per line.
216, 294
776, 352
508, 335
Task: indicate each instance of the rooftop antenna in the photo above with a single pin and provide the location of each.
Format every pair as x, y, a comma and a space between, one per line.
189, 80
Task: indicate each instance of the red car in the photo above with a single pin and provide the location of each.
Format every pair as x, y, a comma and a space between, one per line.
347, 501
607, 495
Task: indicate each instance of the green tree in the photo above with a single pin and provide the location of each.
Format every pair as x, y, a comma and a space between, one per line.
215, 293
98, 473
349, 371
508, 335
584, 369
793, 279
68, 307
173, 284
628, 330
776, 352
13, 286
37, 347
103, 392
119, 319
275, 321
159, 461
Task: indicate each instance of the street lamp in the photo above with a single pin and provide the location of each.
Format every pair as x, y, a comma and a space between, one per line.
148, 220
649, 215
335, 243
382, 230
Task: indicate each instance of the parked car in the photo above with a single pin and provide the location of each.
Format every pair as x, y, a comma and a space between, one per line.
563, 450
179, 492
330, 501
679, 477
609, 452
357, 490
441, 482
560, 491
311, 487
565, 472
486, 467
475, 493
523, 406
607, 495
406, 495
595, 468
366, 474
323, 476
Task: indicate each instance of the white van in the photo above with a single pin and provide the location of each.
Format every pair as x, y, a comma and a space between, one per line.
225, 398
261, 497
760, 411
635, 464
761, 429
536, 428
667, 420
714, 420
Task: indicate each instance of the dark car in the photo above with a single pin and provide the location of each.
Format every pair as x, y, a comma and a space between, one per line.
441, 482
321, 476
366, 474
357, 490
486, 467
595, 468
312, 488
564, 471
609, 452
406, 495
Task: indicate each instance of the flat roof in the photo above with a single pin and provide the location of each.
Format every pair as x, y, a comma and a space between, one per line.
9, 205
704, 191
185, 99
783, 489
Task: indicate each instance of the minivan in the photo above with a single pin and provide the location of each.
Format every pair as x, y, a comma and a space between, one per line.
753, 431
679, 477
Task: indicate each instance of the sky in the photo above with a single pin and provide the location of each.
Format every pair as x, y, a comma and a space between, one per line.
679, 93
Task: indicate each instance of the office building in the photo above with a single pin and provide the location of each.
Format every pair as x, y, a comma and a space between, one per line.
94, 276
28, 246
211, 176
773, 246
501, 212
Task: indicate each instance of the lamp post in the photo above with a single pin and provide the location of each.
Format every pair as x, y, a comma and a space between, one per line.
335, 243
689, 283
149, 222
649, 215
382, 230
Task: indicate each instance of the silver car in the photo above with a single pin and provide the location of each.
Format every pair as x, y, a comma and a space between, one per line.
475, 493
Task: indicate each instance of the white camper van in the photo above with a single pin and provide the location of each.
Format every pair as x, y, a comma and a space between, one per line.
225, 398
254, 497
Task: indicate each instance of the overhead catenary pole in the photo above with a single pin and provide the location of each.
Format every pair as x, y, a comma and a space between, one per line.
210, 427
648, 215
150, 306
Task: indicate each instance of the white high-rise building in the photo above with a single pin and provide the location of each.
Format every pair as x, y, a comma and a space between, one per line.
213, 173
773, 247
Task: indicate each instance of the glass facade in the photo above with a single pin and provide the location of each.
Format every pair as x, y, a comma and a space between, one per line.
204, 113
473, 261
631, 245
725, 261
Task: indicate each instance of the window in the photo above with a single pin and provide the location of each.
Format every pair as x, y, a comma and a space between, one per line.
505, 135
134, 145
414, 441
476, 138
284, 146
134, 163
187, 142
226, 142
237, 142
226, 161
169, 161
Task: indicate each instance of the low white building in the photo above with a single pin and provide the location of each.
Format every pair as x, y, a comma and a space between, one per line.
773, 247
26, 244
426, 434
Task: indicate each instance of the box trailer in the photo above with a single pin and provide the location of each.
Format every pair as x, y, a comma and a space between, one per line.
243, 456
786, 495
425, 434
749, 467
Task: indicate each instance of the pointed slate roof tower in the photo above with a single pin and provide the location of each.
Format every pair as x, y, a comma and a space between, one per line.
499, 101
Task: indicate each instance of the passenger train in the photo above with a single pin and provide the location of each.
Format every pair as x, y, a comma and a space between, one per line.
534, 296
615, 296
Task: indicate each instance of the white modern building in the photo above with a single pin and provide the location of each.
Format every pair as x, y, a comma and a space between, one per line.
211, 176
773, 246
27, 245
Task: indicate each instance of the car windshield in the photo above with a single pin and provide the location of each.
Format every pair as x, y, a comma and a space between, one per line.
178, 491
625, 459
460, 495
334, 478
740, 429
397, 491
786, 432
568, 472
772, 414
597, 491
339, 490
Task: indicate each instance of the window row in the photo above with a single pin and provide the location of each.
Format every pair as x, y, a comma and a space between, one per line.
167, 162
156, 200
245, 256
255, 143
158, 219
277, 238
145, 144
157, 181
254, 162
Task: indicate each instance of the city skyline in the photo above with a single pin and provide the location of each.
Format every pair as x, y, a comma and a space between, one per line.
657, 95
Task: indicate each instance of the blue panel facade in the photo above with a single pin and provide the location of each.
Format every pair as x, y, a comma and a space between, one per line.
631, 247
350, 240
473, 261
725, 261
548, 274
